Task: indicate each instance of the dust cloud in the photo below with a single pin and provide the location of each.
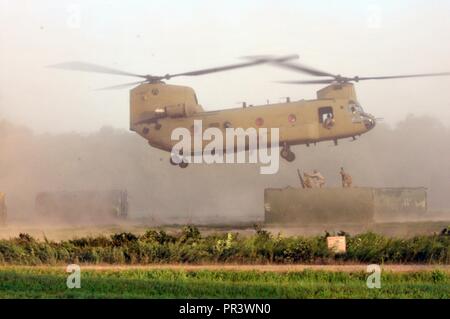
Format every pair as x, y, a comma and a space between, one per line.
415, 152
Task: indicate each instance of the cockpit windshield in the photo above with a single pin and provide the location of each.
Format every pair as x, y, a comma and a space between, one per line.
355, 108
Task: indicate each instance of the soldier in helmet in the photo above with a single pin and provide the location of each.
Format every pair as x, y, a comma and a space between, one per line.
317, 178
307, 181
346, 178
329, 122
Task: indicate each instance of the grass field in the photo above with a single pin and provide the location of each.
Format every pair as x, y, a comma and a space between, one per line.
50, 282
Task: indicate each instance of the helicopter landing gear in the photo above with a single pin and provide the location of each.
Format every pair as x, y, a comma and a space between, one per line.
182, 163
287, 154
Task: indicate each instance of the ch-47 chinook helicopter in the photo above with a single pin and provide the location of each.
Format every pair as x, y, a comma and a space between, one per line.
157, 108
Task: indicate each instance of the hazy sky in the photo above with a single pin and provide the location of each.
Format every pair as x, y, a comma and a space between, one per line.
158, 37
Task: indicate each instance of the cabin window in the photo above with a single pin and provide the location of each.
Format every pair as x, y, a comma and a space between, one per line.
292, 118
259, 121
324, 113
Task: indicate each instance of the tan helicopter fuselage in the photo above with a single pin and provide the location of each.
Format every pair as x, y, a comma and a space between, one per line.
156, 109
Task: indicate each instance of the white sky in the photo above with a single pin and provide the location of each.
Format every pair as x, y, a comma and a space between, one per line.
348, 37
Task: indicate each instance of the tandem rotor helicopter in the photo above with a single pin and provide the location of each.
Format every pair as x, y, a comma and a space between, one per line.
157, 108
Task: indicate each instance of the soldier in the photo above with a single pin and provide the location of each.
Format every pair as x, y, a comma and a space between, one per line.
307, 181
317, 178
329, 122
346, 179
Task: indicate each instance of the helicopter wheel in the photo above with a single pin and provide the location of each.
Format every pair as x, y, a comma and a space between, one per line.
183, 164
285, 153
290, 157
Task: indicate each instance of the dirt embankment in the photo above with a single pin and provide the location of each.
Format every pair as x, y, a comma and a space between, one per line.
65, 232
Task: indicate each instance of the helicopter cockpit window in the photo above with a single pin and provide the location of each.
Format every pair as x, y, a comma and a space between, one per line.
324, 113
355, 108
195, 97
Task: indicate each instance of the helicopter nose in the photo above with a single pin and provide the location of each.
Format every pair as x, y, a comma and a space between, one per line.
369, 121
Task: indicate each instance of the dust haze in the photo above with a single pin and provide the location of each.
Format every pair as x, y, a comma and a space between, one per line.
50, 120
415, 152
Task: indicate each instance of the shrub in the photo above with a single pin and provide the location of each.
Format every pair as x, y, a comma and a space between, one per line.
26, 238
190, 247
189, 233
122, 239
160, 237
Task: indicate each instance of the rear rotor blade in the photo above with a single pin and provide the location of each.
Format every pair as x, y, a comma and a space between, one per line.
328, 81
261, 60
121, 86
90, 67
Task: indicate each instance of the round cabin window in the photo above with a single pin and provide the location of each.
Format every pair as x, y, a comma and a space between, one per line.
292, 118
259, 121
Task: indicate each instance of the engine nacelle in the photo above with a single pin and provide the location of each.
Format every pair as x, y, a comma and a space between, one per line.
180, 110
152, 101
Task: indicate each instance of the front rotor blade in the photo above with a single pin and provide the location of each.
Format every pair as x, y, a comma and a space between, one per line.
261, 60
90, 67
120, 86
308, 82
401, 76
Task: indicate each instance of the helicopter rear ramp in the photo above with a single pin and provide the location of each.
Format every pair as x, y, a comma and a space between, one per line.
359, 205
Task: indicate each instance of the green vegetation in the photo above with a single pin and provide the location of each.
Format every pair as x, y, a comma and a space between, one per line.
189, 246
19, 282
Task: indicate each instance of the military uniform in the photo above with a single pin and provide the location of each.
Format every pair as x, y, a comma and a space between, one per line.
329, 122
317, 179
346, 179
307, 181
